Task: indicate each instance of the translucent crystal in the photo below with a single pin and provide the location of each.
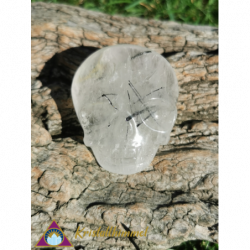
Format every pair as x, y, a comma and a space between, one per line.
125, 99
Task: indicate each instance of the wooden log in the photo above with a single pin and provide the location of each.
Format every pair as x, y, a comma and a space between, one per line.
176, 197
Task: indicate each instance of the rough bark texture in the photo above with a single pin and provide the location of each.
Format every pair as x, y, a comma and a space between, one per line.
177, 196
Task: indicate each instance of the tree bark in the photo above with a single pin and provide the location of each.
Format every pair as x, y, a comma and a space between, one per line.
176, 197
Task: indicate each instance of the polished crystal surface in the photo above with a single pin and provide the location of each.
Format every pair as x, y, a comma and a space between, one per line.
125, 99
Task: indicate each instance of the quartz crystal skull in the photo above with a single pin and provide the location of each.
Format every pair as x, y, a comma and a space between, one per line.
125, 99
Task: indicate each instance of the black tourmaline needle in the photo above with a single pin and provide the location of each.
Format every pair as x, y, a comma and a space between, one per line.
105, 95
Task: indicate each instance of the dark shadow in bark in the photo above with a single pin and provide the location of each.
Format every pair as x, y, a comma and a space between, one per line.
57, 75
131, 238
79, 247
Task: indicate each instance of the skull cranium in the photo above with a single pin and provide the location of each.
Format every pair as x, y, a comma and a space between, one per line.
125, 99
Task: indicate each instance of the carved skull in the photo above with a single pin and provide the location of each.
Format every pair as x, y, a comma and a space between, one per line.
125, 99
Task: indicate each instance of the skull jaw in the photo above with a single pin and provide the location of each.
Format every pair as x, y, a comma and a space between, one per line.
123, 165
122, 157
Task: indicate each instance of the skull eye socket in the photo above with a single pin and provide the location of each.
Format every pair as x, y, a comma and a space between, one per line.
96, 116
160, 115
